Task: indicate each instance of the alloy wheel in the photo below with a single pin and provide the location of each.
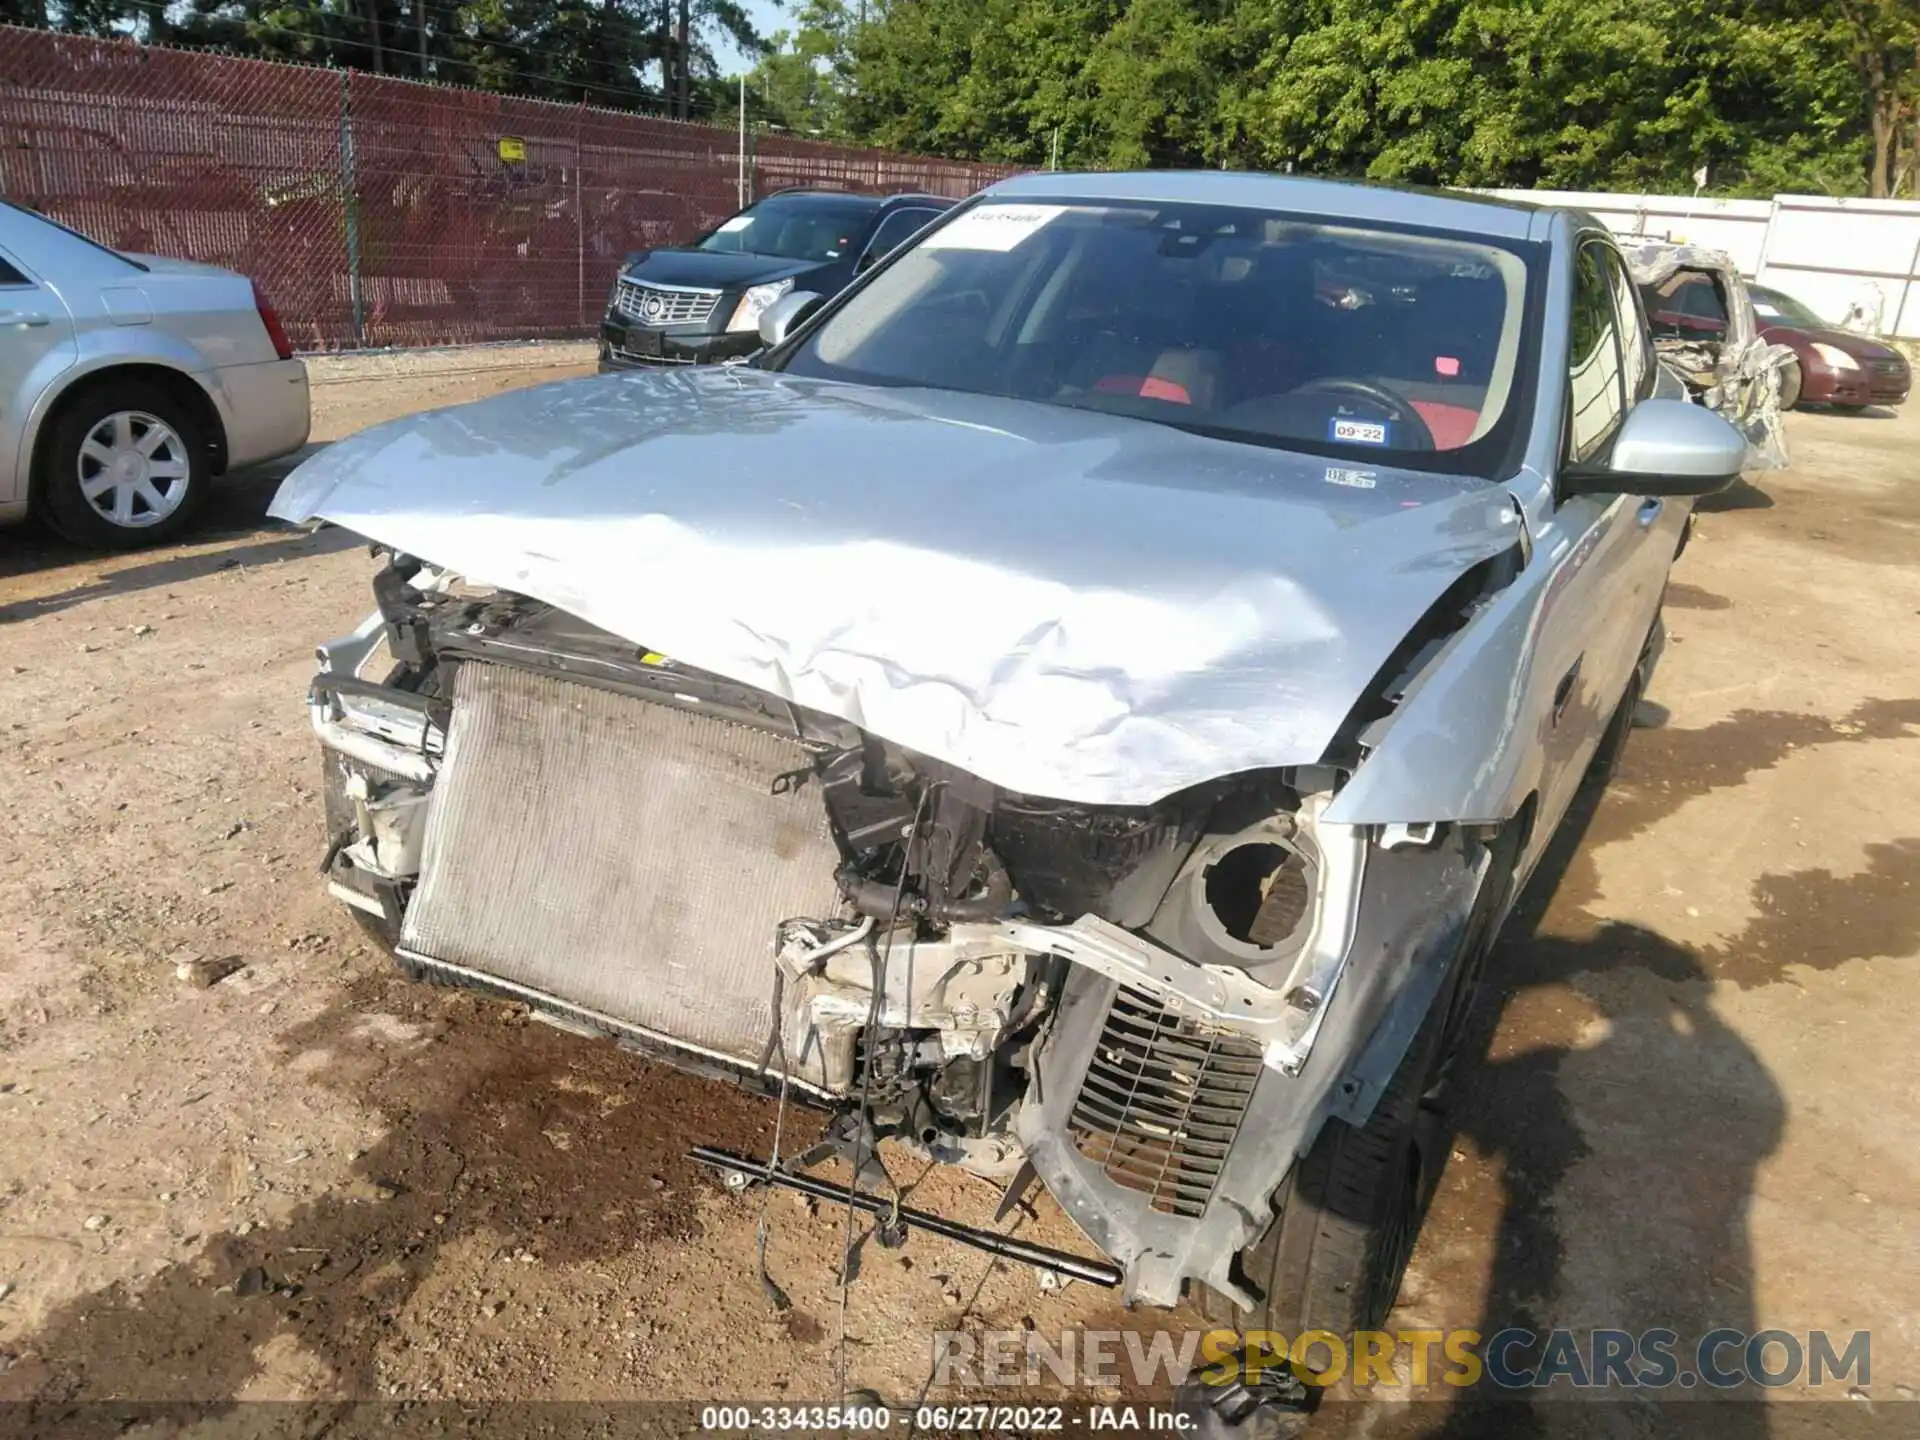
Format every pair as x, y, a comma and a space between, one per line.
134, 469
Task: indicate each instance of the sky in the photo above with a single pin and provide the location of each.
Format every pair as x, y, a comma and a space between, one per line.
768, 16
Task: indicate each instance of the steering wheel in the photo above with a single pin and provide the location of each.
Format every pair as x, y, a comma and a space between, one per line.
1399, 409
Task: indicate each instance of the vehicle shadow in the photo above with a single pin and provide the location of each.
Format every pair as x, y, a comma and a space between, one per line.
1864, 412
1625, 1162
236, 508
1743, 494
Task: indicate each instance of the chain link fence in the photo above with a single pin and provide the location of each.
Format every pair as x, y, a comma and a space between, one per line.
377, 211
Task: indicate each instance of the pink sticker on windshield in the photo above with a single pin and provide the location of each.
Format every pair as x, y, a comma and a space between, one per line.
1446, 365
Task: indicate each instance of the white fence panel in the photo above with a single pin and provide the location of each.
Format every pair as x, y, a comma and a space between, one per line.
1840, 257
1839, 254
1738, 227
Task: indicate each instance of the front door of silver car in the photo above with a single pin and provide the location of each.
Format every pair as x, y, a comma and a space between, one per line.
1614, 549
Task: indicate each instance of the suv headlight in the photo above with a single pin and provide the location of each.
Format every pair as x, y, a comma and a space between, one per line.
1834, 356
753, 304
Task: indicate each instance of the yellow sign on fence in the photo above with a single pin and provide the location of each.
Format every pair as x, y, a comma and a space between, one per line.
513, 149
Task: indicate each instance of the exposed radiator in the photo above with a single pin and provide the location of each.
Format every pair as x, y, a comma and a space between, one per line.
626, 858
1162, 1101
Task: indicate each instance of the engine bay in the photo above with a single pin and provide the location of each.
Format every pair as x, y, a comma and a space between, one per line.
522, 803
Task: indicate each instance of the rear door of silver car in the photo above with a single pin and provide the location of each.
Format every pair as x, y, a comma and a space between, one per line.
36, 342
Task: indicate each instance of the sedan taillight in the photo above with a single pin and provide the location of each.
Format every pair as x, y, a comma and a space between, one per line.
269, 317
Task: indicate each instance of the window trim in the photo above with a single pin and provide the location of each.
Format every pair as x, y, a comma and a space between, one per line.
1598, 241
1650, 358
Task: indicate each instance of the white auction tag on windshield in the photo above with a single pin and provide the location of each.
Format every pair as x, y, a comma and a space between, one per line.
738, 222
993, 227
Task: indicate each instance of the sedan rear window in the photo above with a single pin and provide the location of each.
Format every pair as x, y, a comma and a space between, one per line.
88, 240
1340, 338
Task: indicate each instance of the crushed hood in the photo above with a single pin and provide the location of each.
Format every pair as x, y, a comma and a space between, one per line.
1067, 604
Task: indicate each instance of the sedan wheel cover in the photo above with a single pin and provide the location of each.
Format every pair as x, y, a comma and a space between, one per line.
134, 470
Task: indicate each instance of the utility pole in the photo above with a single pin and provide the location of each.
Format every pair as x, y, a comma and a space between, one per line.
420, 32
373, 30
1053, 160
743, 140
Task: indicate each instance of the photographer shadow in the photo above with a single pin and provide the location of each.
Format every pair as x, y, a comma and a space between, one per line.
1622, 1121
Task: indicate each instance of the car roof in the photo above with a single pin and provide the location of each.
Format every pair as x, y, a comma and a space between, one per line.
1363, 200
803, 193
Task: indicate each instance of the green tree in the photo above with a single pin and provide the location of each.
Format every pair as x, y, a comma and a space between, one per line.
802, 81
1568, 93
623, 53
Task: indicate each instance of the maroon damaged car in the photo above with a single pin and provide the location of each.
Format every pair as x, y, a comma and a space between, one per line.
1837, 367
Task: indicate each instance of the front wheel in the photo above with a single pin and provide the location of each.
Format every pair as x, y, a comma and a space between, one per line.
1349, 1212
125, 465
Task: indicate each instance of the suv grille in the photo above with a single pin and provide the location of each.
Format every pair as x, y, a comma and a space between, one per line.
654, 305
1162, 1101
1889, 368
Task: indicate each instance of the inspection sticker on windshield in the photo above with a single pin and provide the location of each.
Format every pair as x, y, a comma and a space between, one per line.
1359, 432
993, 227
1352, 479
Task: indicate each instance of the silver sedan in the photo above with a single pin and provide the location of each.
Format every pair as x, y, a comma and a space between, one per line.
127, 382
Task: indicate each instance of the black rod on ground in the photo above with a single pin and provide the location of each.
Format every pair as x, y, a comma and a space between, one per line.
1061, 1262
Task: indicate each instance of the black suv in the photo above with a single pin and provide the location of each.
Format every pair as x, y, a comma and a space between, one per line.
696, 303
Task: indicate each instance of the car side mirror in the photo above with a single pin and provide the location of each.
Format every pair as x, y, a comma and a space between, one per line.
1665, 447
783, 317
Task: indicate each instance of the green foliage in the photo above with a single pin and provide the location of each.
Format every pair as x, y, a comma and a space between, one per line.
621, 53
803, 79
1621, 94
1769, 95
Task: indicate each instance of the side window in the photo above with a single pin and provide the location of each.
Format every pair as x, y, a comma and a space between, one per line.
895, 229
1635, 353
11, 276
1595, 396
1704, 302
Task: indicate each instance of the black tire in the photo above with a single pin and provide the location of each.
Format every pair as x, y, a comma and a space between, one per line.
1349, 1213
125, 514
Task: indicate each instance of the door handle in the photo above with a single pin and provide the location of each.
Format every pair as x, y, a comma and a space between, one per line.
1648, 513
23, 320
1563, 692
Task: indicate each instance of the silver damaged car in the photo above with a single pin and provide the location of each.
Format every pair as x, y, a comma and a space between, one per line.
1078, 704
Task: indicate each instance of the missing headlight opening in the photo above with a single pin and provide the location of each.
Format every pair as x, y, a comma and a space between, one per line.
1259, 893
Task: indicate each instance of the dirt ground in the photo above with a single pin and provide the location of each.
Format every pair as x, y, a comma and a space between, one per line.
315, 1181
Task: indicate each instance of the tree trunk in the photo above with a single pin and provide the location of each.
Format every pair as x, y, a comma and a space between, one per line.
683, 58
420, 33
373, 37
1882, 107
